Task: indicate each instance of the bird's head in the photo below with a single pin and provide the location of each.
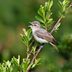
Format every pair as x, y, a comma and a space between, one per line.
35, 25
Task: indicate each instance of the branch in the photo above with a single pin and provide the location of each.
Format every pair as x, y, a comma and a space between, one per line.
34, 57
55, 26
70, 5
28, 54
59, 20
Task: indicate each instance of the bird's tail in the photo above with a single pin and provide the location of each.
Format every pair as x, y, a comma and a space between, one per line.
54, 46
54, 41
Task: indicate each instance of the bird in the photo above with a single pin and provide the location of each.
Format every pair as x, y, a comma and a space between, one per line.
41, 35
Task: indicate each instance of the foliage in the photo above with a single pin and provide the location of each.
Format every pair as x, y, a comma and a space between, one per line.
45, 13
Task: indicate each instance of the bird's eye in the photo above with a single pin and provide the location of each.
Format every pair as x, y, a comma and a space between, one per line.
35, 25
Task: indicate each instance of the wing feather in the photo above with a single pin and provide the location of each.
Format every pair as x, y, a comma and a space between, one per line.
44, 35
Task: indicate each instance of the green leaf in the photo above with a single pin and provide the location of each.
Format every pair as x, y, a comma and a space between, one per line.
39, 19
29, 36
34, 49
25, 64
50, 4
36, 62
50, 21
15, 64
25, 32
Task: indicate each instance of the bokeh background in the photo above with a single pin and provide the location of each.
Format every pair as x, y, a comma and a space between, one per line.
16, 15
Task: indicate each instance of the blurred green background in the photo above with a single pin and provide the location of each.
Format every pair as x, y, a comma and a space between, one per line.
16, 15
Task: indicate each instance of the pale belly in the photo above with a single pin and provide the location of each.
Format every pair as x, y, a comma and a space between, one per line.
40, 40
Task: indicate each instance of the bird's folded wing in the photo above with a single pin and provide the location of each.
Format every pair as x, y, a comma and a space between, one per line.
44, 35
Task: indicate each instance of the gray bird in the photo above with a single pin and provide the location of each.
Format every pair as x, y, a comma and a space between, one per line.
41, 35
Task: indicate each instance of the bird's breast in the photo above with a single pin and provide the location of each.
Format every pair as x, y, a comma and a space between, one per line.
40, 40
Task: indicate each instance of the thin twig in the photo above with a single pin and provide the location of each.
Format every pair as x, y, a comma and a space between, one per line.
28, 55
34, 57
29, 52
70, 5
53, 29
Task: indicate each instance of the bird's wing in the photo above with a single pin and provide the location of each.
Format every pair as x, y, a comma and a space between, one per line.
44, 35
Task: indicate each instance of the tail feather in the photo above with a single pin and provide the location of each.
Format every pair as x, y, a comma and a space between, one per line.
54, 41
54, 46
